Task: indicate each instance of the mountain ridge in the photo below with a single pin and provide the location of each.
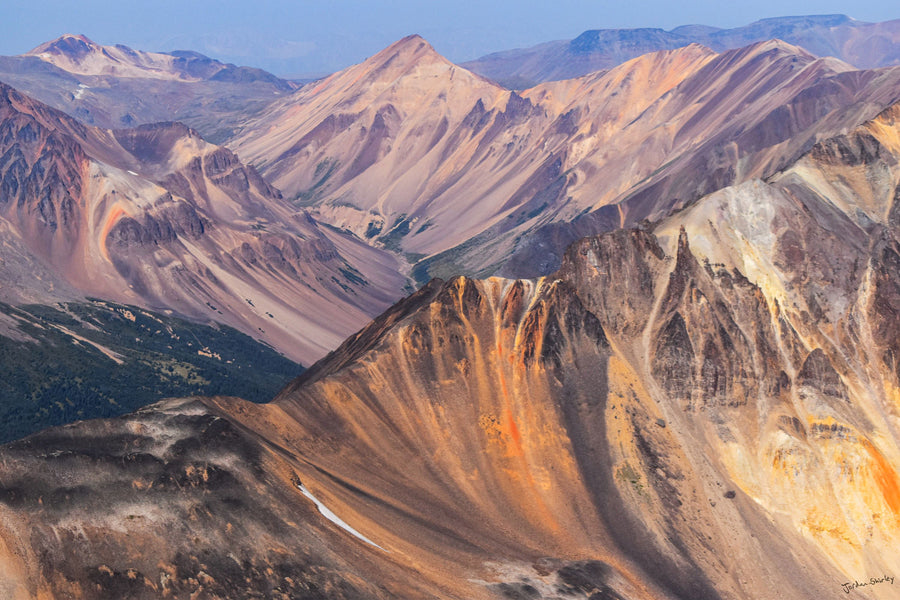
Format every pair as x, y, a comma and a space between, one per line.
476, 170
527, 373
79, 55
865, 45
723, 374
115, 86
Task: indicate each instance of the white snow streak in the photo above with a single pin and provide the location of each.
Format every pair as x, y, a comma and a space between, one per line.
326, 512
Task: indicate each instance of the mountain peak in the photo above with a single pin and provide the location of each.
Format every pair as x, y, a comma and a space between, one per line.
79, 55
772, 49
412, 42
408, 64
778, 44
75, 46
411, 50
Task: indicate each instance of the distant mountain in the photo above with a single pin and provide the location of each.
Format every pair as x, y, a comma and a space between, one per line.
374, 146
458, 175
864, 45
78, 55
115, 86
157, 217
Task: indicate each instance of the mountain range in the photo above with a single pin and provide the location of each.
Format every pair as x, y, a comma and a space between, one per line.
653, 354
115, 86
483, 180
159, 217
864, 45
725, 378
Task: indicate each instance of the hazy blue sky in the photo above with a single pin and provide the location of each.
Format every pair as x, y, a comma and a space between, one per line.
300, 36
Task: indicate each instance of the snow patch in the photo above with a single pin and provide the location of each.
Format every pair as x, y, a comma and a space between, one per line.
326, 512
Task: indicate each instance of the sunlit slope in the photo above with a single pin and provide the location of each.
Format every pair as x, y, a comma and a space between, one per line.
425, 159
705, 406
645, 423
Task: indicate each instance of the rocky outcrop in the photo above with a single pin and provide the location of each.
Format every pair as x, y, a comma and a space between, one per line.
608, 429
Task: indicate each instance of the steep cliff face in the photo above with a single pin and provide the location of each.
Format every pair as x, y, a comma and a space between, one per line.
156, 216
42, 173
643, 407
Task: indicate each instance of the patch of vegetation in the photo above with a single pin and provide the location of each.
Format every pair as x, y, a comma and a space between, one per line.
453, 261
352, 275
391, 240
517, 83
324, 170
373, 229
535, 212
347, 289
413, 257
99, 359
626, 474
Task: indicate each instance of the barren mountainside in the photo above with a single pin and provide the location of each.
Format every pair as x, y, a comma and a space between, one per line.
704, 407
458, 175
158, 217
659, 357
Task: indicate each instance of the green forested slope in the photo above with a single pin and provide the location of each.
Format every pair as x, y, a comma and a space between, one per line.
78, 361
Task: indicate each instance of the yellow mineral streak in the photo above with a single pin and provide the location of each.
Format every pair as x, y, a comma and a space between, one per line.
885, 476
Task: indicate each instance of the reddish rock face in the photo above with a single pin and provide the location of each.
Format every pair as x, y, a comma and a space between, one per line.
610, 429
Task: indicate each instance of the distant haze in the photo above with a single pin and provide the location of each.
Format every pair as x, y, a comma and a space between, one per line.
300, 37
